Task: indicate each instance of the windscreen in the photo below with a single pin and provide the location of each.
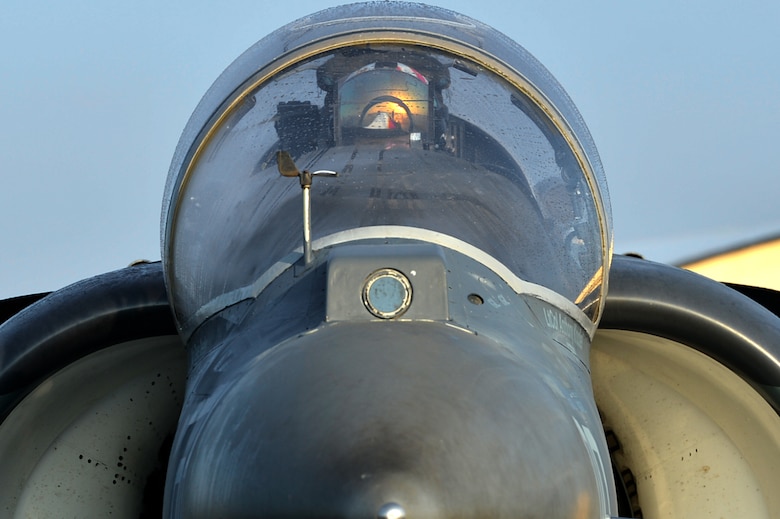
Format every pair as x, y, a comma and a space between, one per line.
420, 139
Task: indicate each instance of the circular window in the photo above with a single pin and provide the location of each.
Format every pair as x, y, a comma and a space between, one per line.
387, 293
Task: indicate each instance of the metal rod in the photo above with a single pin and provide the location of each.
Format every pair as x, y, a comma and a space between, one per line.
307, 254
287, 168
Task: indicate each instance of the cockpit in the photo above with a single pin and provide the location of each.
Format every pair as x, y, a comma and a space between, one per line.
381, 99
431, 142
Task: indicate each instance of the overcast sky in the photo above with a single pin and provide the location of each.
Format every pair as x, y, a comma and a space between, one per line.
683, 101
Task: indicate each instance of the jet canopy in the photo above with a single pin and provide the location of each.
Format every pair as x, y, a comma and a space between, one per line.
440, 129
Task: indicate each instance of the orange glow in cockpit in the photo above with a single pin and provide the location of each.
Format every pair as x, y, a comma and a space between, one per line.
391, 98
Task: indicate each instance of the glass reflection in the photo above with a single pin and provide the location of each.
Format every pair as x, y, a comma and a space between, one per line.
419, 139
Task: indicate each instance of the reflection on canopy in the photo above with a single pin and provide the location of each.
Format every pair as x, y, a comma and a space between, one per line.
420, 138
391, 97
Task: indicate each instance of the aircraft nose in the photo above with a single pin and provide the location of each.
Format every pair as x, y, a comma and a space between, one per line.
386, 420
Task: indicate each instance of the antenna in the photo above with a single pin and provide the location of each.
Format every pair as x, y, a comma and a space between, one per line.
287, 168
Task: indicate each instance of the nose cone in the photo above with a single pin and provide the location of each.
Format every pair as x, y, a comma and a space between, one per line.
386, 420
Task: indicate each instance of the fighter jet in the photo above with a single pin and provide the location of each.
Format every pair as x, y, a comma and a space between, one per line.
388, 290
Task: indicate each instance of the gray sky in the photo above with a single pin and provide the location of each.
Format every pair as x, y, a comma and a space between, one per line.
683, 101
